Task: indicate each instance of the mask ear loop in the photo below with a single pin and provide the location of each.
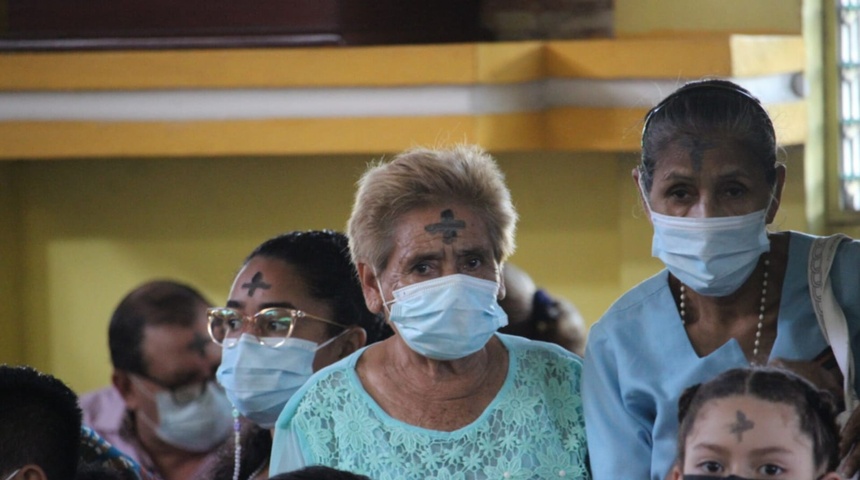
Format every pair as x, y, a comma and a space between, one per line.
385, 303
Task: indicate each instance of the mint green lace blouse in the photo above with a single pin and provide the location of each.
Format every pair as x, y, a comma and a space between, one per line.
532, 429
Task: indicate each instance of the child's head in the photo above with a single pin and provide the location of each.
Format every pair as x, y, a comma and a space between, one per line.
757, 423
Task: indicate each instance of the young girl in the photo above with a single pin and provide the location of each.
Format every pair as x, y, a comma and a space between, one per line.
754, 423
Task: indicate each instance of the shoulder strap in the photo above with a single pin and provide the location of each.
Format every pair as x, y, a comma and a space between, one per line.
831, 319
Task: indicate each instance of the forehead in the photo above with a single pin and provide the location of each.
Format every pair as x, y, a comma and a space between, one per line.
265, 277
763, 424
707, 157
168, 349
435, 227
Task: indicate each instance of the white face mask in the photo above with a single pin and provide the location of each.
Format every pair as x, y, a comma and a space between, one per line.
197, 426
449, 317
713, 256
13, 474
260, 380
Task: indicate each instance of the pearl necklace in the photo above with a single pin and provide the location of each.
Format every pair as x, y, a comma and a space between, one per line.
682, 307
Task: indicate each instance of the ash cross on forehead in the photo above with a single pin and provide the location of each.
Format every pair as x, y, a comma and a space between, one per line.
255, 283
448, 226
741, 426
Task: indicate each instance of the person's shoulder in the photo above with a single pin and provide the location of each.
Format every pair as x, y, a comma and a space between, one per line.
627, 307
103, 409
801, 243
521, 347
333, 377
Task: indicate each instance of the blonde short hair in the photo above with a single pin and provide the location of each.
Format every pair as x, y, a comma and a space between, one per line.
423, 177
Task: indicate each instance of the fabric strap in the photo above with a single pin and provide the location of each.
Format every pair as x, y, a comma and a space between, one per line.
831, 319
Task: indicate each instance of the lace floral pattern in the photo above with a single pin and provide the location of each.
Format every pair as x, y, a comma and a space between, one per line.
533, 429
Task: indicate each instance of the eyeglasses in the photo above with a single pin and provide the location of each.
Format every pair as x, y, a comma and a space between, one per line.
181, 395
271, 326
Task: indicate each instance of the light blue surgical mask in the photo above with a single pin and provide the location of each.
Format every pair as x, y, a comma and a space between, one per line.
713, 256
449, 317
13, 474
260, 380
195, 426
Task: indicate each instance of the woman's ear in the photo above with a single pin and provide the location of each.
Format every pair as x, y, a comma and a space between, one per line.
370, 287
636, 181
355, 339
777, 193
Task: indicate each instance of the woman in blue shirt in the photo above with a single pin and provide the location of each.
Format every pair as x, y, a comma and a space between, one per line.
732, 293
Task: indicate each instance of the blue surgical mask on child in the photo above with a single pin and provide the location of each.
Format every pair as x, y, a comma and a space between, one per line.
260, 380
448, 317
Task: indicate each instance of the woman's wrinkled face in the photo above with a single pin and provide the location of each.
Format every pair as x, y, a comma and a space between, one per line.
432, 242
751, 438
702, 179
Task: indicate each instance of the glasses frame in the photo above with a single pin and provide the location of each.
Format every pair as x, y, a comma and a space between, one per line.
253, 320
177, 394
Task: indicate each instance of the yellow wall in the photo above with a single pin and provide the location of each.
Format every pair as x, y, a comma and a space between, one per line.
93, 229
763, 16
76, 235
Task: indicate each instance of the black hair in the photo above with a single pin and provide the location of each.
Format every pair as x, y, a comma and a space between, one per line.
709, 110
160, 302
815, 408
319, 472
323, 261
41, 423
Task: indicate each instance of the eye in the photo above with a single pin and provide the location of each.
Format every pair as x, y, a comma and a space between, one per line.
233, 323
770, 470
735, 190
421, 268
473, 263
710, 466
275, 321
680, 193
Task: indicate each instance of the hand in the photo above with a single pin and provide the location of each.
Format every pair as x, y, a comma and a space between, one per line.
821, 372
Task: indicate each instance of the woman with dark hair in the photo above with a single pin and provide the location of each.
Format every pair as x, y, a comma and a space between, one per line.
295, 307
732, 293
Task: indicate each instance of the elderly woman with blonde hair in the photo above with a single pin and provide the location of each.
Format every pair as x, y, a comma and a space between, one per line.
446, 396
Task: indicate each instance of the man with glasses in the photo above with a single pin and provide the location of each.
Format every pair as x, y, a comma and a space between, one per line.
164, 409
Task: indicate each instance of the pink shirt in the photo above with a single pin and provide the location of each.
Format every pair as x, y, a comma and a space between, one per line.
105, 412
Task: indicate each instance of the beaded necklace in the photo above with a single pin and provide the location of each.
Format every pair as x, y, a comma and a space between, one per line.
682, 307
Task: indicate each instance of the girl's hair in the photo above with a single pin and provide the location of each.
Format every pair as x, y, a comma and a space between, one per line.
322, 259
816, 410
709, 111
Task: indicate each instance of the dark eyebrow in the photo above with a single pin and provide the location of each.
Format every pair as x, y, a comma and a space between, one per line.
473, 252
770, 450
711, 447
264, 306
422, 257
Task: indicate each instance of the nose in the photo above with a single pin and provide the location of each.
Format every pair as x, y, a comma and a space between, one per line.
705, 207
